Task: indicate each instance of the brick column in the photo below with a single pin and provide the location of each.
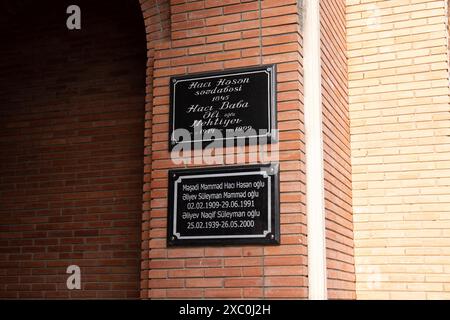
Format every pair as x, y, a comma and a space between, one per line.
215, 35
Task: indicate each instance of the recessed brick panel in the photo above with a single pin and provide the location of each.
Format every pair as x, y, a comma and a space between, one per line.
71, 141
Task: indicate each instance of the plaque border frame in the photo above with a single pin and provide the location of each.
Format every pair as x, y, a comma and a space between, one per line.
271, 237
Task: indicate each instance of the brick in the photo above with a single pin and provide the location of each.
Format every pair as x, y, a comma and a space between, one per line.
206, 48
221, 20
185, 294
222, 252
205, 13
240, 8
221, 56
186, 273
204, 283
223, 37
285, 293
223, 272
243, 282
166, 283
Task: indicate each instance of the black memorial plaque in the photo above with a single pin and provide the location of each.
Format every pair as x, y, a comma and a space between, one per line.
240, 101
224, 206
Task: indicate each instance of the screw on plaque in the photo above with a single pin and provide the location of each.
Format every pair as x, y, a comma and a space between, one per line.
272, 236
173, 238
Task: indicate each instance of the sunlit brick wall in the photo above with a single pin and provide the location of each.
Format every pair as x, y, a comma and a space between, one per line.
400, 127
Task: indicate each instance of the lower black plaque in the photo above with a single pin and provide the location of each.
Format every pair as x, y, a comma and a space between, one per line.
227, 205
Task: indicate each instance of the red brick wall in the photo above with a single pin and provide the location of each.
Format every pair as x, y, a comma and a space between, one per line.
71, 136
214, 35
336, 129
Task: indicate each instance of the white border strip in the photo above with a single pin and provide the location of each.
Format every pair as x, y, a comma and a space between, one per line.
315, 202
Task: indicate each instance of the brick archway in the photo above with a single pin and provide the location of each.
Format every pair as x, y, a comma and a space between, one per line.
71, 136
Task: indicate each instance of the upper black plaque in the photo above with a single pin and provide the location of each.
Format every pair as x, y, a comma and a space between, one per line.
241, 101
226, 205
